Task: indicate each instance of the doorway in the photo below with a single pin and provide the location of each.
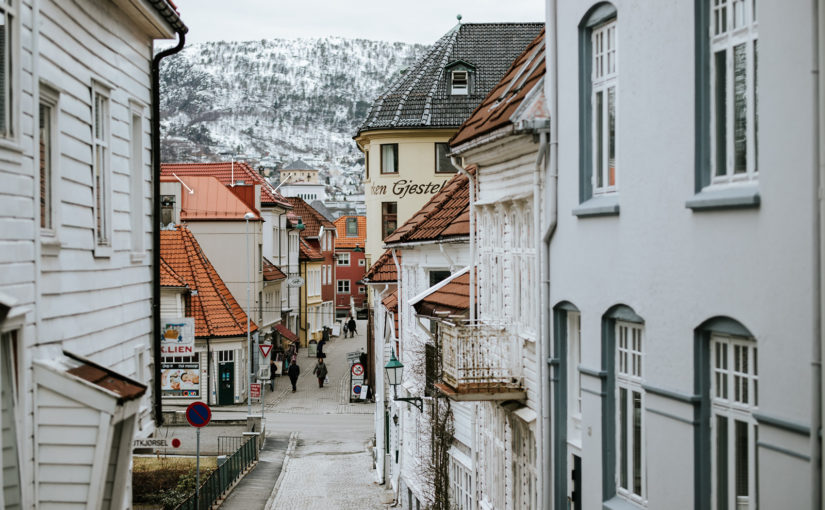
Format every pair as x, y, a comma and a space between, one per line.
226, 377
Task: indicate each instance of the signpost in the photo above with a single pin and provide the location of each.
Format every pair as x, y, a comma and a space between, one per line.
198, 415
255, 390
265, 349
356, 381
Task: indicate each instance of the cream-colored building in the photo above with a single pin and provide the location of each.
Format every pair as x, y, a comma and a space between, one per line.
404, 138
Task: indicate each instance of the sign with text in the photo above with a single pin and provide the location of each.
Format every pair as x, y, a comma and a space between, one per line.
403, 187
255, 390
177, 333
180, 379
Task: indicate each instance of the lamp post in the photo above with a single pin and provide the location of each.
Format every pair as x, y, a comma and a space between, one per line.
395, 370
248, 216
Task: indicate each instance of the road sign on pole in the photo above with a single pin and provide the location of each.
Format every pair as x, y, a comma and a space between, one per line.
265, 349
198, 415
255, 390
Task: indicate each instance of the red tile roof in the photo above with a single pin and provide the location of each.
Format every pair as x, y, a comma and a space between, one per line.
313, 220
168, 276
343, 240
272, 272
224, 172
383, 270
391, 303
502, 102
216, 312
445, 215
211, 200
307, 252
451, 299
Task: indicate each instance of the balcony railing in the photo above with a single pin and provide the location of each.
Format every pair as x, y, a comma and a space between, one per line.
481, 362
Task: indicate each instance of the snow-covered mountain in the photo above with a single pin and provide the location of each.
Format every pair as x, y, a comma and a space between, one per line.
273, 101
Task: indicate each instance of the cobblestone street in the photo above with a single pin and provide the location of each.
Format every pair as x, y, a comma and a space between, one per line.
328, 465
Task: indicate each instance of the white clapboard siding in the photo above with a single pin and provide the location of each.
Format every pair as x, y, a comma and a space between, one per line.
9, 460
463, 413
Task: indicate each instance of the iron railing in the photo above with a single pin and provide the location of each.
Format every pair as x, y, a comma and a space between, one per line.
218, 483
229, 444
480, 357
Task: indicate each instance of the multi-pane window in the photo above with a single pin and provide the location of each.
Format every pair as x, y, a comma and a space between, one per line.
460, 84
136, 181
100, 166
734, 118
443, 165
343, 287
343, 258
352, 227
389, 218
461, 485
389, 158
574, 392
492, 457
45, 164
630, 460
734, 433
603, 105
9, 458
7, 99
525, 474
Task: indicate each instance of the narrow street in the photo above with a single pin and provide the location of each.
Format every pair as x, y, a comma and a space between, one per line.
327, 464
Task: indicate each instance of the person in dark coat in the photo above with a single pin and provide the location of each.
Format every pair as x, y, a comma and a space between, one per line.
320, 372
273, 370
351, 326
293, 372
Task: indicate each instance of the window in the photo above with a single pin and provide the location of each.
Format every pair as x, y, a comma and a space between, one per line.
598, 100
734, 399
389, 158
136, 180
733, 90
460, 84
630, 466
367, 164
11, 489
461, 483
389, 218
343, 287
100, 166
603, 105
525, 474
362, 289
7, 68
167, 210
443, 165
343, 258
574, 378
361, 262
352, 227
46, 155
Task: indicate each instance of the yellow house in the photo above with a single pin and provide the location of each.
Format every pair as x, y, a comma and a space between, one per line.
311, 301
404, 138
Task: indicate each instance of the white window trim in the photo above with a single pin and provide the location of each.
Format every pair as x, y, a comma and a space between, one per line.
343, 258
343, 283
602, 84
137, 183
104, 248
726, 41
11, 138
459, 90
49, 237
574, 392
630, 379
733, 410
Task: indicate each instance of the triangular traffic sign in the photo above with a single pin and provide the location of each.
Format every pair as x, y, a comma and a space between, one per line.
265, 348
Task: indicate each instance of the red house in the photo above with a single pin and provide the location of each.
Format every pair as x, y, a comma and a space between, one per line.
351, 265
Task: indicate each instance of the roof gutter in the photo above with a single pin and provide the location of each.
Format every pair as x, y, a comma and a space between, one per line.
460, 167
156, 389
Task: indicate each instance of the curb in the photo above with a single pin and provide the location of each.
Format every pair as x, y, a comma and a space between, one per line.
290, 450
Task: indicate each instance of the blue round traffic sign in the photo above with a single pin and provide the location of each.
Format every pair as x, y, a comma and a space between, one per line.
198, 414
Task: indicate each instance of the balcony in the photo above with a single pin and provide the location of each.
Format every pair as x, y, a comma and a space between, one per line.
480, 362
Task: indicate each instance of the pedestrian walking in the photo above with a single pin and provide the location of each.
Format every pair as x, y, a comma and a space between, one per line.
351, 325
273, 370
320, 372
319, 350
293, 372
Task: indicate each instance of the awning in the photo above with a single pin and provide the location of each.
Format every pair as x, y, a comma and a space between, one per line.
286, 333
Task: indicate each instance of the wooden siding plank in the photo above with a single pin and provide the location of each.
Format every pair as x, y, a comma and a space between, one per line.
63, 492
69, 435
59, 454
77, 473
81, 416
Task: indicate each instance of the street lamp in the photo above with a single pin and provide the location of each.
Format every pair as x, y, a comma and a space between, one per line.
395, 369
248, 216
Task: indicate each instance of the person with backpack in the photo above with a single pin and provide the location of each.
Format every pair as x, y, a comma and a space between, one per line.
320, 372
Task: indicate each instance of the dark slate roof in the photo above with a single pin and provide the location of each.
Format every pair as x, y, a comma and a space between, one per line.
297, 165
420, 97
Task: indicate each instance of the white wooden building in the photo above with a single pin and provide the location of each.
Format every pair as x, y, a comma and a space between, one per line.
75, 275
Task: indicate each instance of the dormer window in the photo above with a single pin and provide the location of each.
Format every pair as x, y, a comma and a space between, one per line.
460, 83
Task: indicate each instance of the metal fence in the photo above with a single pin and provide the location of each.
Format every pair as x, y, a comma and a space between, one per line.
229, 444
217, 484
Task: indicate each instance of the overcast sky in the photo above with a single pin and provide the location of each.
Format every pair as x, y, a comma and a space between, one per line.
421, 21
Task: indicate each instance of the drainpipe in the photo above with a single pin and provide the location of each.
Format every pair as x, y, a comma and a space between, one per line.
551, 96
819, 179
400, 328
156, 220
460, 167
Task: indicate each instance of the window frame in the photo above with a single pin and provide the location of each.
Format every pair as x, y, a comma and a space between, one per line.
629, 375
10, 345
386, 217
137, 181
350, 221
601, 85
11, 111
50, 98
343, 287
454, 78
451, 169
101, 177
395, 158
340, 256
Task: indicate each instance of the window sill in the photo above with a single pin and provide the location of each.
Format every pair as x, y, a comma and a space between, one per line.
49, 244
137, 257
603, 205
619, 503
732, 197
102, 251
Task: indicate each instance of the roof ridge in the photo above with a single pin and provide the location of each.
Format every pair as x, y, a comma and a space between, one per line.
426, 114
189, 246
